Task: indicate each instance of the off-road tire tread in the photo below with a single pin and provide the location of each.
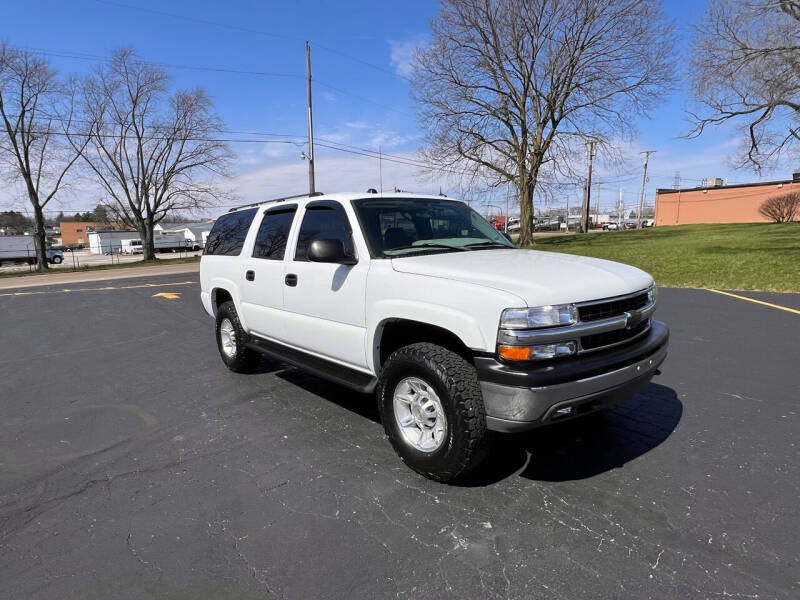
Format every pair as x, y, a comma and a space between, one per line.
246, 359
460, 379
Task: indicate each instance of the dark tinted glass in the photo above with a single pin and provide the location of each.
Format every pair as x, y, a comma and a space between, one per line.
273, 233
327, 222
400, 226
227, 235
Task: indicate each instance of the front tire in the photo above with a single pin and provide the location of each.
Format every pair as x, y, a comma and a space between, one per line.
57, 260
432, 410
232, 339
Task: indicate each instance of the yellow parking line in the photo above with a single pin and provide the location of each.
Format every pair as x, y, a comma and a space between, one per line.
754, 301
98, 289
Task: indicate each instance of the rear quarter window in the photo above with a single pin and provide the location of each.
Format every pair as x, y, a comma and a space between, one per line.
229, 232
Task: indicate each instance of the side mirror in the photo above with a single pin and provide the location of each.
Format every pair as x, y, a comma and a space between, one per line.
329, 251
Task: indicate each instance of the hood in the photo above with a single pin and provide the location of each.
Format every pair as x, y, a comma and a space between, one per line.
539, 278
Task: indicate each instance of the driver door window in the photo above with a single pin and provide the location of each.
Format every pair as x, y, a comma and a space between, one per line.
323, 221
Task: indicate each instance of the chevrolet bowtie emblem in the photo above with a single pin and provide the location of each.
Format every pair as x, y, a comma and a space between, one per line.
632, 318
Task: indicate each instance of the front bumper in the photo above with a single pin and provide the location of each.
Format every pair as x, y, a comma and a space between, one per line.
520, 398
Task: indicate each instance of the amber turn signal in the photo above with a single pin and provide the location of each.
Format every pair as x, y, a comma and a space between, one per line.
514, 352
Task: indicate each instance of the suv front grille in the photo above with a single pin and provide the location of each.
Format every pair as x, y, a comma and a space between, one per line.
609, 338
611, 308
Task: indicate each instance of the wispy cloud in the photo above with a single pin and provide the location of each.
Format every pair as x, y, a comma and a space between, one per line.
402, 53
334, 172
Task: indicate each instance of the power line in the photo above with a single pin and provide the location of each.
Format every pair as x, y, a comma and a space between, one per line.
253, 31
230, 131
103, 59
97, 58
362, 98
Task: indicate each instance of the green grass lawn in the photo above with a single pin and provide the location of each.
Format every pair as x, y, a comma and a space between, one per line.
746, 256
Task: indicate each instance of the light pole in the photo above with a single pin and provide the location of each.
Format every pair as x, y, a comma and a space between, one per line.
311, 182
647, 154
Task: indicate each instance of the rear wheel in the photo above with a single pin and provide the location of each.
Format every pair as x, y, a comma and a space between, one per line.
232, 340
432, 411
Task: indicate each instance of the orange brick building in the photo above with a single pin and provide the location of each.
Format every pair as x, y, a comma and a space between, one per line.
77, 232
720, 204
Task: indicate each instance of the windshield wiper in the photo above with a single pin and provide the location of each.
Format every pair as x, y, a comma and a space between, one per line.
425, 245
487, 243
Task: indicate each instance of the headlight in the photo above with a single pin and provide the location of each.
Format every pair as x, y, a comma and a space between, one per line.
539, 316
652, 294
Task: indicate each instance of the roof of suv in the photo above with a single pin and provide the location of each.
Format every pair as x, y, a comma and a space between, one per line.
342, 197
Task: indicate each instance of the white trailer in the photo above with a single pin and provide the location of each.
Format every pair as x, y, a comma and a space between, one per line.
169, 242
22, 248
195, 234
18, 248
109, 242
162, 242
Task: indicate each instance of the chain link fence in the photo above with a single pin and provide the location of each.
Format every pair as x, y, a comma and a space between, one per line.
78, 258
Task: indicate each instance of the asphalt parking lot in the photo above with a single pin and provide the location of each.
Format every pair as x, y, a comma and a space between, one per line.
134, 465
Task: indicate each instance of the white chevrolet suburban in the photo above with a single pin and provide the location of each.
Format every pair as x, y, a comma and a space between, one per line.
423, 302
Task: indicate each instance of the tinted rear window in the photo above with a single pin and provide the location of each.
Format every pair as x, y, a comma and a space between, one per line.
273, 233
228, 234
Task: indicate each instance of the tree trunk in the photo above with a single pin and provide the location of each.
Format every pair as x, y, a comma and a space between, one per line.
40, 241
525, 211
148, 244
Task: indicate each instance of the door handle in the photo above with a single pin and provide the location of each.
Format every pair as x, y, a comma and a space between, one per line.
250, 275
291, 280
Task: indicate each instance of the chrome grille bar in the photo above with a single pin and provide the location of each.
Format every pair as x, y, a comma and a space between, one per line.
629, 319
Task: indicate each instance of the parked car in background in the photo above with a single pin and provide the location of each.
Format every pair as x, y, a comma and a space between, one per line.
513, 225
610, 226
55, 257
421, 302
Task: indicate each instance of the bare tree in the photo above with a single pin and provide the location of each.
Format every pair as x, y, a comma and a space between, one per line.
746, 70
511, 90
153, 153
782, 208
36, 112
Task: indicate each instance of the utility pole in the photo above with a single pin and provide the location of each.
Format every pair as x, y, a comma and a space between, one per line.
597, 204
587, 192
647, 154
311, 187
380, 171
508, 195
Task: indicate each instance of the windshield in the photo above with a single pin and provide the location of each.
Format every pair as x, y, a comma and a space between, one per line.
408, 226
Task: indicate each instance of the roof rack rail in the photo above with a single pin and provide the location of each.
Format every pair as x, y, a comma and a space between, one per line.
235, 208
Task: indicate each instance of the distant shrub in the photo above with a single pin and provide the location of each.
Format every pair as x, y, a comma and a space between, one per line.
781, 208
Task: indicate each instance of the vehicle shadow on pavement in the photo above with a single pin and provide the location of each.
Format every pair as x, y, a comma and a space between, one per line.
586, 446
572, 450
363, 405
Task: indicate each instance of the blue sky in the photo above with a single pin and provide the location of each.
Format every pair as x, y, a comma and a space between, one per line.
361, 96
